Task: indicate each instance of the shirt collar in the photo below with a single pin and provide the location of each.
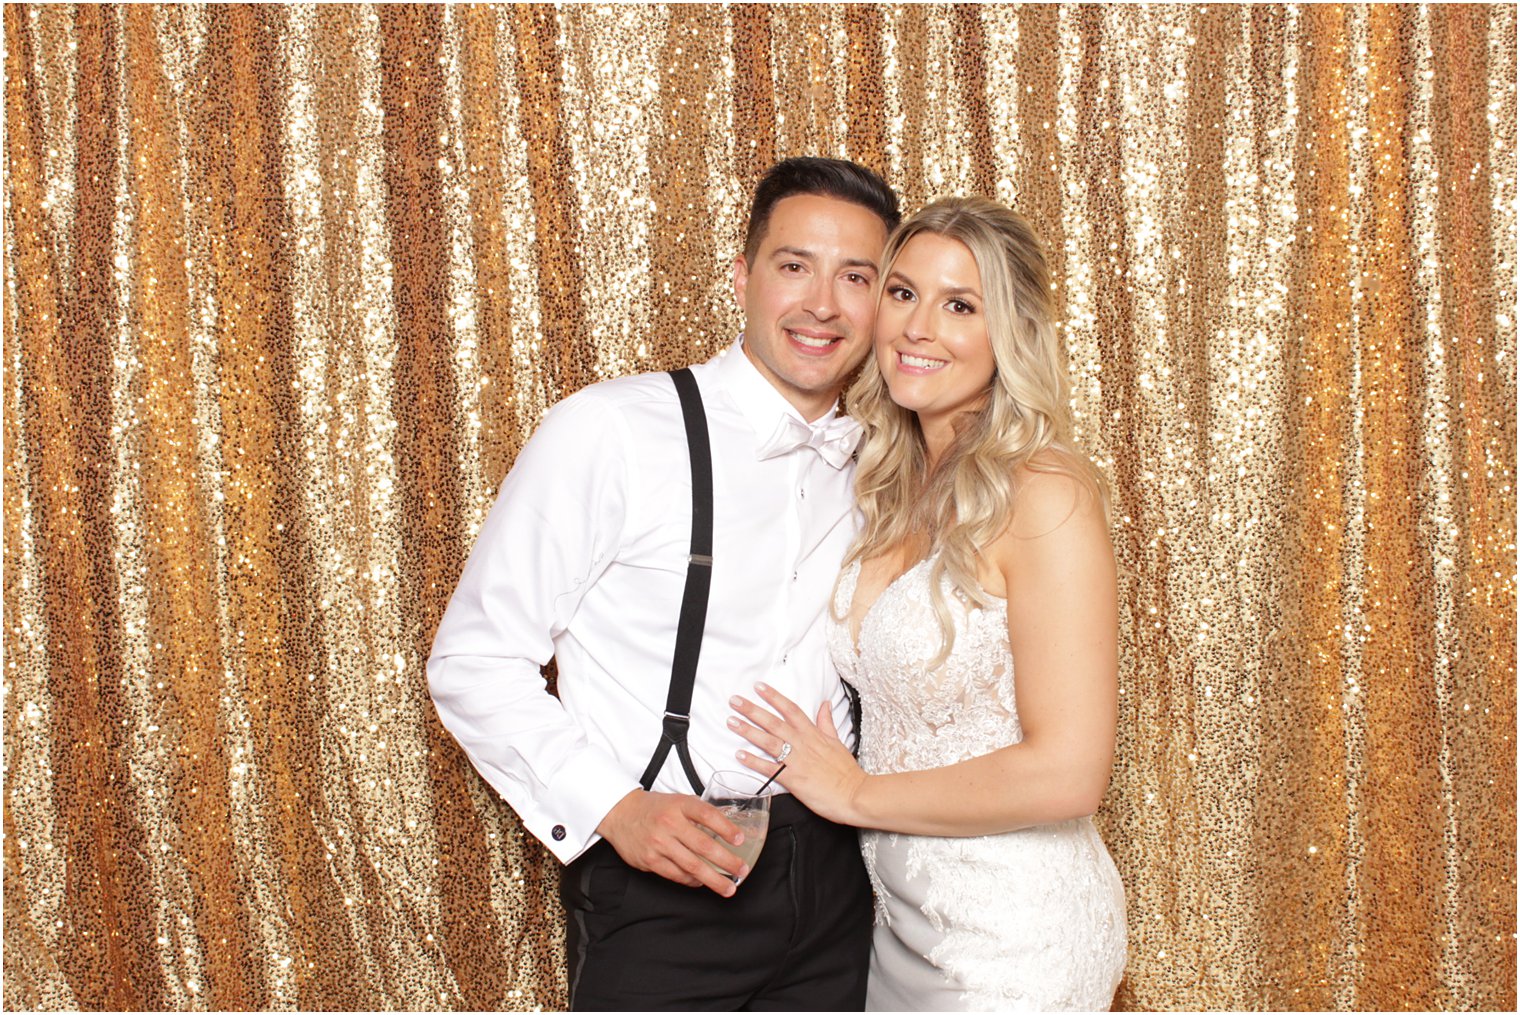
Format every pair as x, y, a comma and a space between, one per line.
756, 398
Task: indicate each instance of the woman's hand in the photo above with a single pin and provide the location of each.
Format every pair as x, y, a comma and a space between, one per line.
820, 770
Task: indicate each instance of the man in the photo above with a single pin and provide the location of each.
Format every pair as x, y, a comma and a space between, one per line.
585, 557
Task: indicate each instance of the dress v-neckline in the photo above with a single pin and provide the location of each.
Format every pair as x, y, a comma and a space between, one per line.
854, 630
855, 591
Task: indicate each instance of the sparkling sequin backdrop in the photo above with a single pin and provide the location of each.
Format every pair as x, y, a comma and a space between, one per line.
286, 289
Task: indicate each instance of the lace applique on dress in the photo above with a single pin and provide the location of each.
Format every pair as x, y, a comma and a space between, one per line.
1033, 918
921, 717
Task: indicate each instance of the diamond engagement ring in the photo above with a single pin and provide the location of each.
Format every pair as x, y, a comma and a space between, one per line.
786, 749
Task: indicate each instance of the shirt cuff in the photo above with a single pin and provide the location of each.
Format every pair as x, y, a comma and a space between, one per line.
585, 789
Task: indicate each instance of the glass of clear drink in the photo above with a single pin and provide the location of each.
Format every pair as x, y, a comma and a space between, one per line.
733, 793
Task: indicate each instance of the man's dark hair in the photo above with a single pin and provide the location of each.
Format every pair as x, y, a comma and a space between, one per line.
822, 177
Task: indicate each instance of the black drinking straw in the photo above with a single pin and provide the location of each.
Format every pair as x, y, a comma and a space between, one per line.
772, 779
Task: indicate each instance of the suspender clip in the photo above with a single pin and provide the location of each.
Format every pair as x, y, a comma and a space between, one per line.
675, 727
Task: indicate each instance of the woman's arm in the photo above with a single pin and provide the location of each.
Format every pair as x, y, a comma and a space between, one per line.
1058, 567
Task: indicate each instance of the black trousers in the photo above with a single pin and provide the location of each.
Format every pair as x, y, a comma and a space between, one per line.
795, 936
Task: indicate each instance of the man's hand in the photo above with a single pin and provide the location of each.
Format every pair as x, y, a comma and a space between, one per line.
665, 834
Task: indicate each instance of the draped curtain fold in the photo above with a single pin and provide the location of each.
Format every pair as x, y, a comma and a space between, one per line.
287, 288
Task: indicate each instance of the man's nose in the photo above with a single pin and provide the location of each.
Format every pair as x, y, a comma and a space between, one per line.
821, 301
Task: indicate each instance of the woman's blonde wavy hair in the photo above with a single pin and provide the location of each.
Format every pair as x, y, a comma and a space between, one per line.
966, 501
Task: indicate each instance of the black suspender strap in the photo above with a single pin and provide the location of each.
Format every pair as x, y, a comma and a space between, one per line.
854, 696
683, 668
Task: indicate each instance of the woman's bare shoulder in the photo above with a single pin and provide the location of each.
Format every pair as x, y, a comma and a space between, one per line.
1051, 493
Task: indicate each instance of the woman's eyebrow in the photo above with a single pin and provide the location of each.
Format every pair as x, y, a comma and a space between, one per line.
960, 290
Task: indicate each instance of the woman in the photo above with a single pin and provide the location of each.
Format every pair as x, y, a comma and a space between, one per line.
976, 614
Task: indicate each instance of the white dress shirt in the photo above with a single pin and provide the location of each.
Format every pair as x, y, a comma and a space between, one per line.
583, 558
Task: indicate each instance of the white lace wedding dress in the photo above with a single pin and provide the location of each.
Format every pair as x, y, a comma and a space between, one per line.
1032, 919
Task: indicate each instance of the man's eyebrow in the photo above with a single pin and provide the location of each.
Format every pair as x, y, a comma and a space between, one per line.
808, 255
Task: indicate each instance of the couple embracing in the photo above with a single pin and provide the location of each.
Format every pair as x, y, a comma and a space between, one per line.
941, 711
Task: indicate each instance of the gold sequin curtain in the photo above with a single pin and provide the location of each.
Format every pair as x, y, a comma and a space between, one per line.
286, 289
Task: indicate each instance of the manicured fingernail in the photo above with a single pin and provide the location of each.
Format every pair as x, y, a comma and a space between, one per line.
733, 723
740, 755
762, 687
736, 701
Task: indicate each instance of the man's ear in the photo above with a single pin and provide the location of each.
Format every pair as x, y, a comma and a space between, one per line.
741, 279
